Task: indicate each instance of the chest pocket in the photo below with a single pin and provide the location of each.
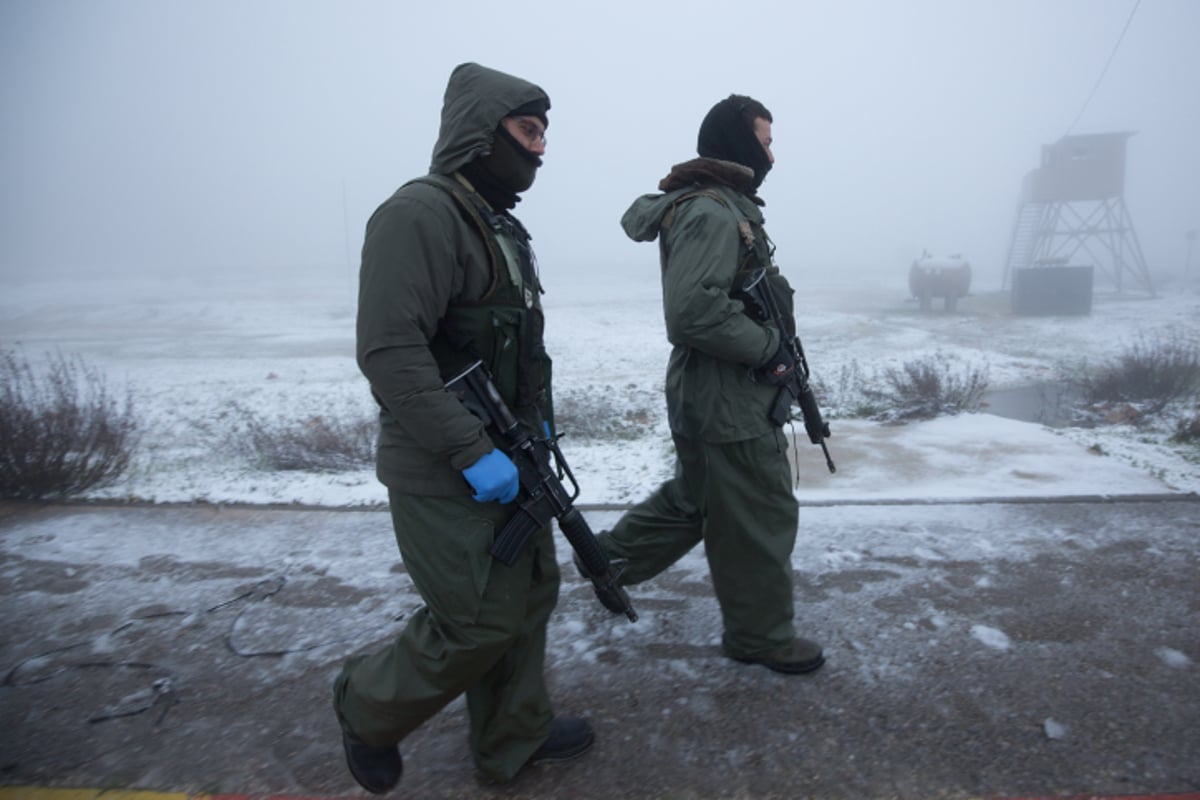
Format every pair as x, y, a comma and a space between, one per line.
504, 327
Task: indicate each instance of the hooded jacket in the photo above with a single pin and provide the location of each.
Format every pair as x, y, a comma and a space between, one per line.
710, 233
436, 293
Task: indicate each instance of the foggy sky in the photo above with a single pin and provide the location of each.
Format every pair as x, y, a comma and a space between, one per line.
162, 136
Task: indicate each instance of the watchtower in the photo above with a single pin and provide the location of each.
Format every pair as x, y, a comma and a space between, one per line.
1075, 202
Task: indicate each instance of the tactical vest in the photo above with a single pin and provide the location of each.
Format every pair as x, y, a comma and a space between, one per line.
756, 249
504, 327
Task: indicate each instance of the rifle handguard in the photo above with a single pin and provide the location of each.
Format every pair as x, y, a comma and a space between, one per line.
595, 563
756, 294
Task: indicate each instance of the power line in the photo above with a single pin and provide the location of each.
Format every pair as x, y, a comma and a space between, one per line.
1107, 64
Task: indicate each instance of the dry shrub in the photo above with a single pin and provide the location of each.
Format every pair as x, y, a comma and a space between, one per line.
61, 432
1151, 374
1187, 430
604, 413
313, 444
928, 387
845, 394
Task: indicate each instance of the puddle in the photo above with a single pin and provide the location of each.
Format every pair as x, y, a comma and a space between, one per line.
1046, 404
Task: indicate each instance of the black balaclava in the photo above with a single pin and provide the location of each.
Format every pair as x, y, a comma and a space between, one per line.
509, 169
727, 135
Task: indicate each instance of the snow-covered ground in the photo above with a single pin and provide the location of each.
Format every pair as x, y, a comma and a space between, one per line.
198, 353
939, 619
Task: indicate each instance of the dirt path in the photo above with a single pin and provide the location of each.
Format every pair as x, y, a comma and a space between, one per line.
1053, 650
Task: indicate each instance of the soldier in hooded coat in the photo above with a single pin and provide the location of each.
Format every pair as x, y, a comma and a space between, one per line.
732, 488
448, 277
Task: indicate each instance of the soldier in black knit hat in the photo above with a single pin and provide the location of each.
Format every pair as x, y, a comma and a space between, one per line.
732, 488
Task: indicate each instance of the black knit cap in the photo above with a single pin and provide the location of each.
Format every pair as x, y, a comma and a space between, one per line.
534, 108
727, 133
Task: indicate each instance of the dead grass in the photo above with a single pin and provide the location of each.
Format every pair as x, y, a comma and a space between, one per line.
1153, 372
927, 387
312, 444
61, 431
1152, 375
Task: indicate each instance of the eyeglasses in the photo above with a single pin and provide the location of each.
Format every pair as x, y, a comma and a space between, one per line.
532, 131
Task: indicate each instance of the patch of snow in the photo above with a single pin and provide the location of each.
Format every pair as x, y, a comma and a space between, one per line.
1054, 729
196, 354
992, 637
1172, 657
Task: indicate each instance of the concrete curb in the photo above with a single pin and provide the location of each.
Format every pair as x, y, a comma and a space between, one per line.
1161, 497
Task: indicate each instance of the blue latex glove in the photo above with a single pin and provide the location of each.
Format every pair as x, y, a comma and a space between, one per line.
493, 477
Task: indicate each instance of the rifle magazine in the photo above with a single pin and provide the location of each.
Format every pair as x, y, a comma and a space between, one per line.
513, 537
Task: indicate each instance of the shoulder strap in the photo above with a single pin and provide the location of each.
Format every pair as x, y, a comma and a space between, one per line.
489, 226
744, 227
711, 194
743, 224
474, 212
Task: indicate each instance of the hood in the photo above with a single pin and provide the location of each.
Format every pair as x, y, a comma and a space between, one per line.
476, 99
643, 219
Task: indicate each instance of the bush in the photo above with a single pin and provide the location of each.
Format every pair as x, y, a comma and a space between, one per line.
846, 394
1151, 373
1187, 430
61, 433
928, 387
316, 444
604, 413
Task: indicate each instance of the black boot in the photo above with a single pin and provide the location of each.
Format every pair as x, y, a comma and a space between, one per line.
797, 657
377, 769
569, 738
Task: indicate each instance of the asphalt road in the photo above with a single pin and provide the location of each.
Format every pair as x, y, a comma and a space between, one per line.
1054, 651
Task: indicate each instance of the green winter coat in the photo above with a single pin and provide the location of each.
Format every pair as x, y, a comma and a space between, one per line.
436, 293
712, 234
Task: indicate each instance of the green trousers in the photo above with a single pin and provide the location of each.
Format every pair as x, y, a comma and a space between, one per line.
482, 631
737, 498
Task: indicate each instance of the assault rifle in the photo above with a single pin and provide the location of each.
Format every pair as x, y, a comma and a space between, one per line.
760, 301
542, 496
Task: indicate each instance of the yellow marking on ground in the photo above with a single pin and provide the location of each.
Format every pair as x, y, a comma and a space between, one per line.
46, 793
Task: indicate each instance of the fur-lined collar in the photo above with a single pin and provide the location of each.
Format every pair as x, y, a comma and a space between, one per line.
709, 170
